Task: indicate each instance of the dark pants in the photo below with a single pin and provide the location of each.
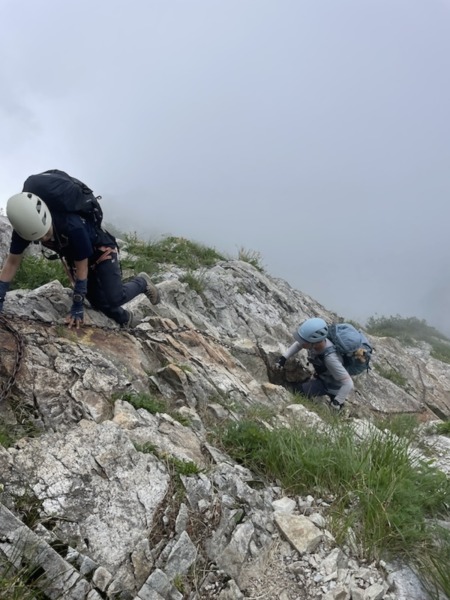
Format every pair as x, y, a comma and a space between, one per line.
312, 388
106, 291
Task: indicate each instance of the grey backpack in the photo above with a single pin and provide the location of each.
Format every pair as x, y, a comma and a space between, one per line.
352, 345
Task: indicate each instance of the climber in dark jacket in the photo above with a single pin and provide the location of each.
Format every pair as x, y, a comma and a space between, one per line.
89, 251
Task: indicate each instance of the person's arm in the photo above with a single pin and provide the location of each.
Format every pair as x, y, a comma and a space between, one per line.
337, 370
12, 263
76, 316
9, 270
81, 249
81, 269
296, 347
10, 267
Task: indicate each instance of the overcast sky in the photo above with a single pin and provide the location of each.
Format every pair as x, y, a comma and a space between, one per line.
316, 132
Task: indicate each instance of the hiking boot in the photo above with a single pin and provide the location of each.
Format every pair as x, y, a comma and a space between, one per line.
152, 291
132, 321
335, 405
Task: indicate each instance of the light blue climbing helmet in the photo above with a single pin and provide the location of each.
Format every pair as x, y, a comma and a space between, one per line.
312, 331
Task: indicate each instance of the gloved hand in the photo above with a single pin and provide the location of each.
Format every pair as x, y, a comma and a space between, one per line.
280, 363
77, 311
4, 287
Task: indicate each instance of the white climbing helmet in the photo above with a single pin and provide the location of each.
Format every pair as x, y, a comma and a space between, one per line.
29, 216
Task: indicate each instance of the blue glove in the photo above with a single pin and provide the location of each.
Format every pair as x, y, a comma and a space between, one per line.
4, 287
79, 292
80, 287
77, 311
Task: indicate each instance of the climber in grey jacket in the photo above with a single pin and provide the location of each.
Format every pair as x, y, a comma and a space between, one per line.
331, 378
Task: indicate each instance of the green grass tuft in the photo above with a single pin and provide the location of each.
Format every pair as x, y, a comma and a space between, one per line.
10, 434
409, 331
170, 250
404, 328
440, 351
252, 257
404, 425
146, 401
195, 282
154, 406
5, 439
183, 467
443, 428
143, 256
21, 584
36, 271
386, 497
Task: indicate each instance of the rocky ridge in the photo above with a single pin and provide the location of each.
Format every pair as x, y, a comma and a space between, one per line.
100, 496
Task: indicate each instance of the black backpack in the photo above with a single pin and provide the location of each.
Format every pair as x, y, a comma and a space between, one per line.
65, 194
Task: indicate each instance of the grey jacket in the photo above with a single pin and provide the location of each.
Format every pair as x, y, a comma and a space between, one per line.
336, 378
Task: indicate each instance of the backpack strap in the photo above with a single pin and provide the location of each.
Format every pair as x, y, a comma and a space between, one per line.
328, 351
106, 252
318, 362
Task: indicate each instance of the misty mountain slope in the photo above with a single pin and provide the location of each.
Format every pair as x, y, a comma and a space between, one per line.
109, 455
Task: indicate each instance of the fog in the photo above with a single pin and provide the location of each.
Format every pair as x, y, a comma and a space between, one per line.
316, 133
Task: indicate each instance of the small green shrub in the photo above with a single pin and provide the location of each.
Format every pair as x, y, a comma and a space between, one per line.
406, 329
411, 330
5, 437
137, 265
443, 428
183, 467
176, 466
147, 448
28, 507
182, 419
196, 283
174, 250
20, 584
260, 411
36, 271
440, 351
178, 582
9, 434
252, 257
433, 563
150, 404
318, 406
403, 425
153, 406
